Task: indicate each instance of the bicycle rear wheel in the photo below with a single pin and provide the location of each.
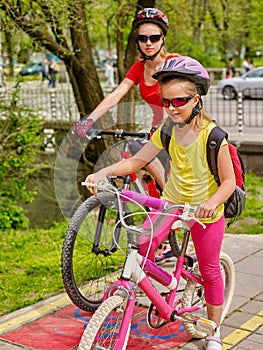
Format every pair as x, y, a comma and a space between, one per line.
174, 243
103, 329
194, 295
90, 259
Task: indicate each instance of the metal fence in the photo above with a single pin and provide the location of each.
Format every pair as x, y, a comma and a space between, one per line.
238, 115
58, 104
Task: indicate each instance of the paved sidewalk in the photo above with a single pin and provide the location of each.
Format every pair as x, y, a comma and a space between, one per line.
57, 324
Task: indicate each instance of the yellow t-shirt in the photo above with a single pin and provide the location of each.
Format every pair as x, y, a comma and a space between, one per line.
190, 178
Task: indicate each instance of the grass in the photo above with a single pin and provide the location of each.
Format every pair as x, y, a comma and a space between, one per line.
251, 220
30, 260
30, 266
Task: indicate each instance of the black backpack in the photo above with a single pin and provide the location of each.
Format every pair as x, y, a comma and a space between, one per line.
236, 202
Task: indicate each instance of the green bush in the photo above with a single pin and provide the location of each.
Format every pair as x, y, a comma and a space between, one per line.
20, 140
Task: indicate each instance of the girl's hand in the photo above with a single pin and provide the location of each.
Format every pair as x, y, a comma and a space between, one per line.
94, 179
205, 210
90, 178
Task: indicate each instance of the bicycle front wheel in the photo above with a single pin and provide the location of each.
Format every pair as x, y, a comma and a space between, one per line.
103, 329
90, 258
194, 295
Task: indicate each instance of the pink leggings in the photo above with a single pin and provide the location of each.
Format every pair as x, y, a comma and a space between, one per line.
207, 244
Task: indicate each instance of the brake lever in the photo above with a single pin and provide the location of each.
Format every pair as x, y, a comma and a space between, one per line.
92, 134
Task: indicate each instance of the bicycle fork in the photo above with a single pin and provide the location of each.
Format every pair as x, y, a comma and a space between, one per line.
98, 232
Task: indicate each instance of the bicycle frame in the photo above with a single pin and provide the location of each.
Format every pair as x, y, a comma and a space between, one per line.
127, 181
138, 268
131, 178
127, 151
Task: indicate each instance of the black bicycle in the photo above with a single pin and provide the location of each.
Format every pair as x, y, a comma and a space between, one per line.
90, 258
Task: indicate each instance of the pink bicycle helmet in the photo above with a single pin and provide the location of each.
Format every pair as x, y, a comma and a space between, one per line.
151, 15
186, 67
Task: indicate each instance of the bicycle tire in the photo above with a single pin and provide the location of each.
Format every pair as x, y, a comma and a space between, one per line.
194, 293
103, 328
174, 243
85, 274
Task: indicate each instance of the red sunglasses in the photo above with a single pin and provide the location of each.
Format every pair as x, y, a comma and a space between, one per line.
176, 102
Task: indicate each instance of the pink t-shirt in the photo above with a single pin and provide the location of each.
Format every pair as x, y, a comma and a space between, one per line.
150, 93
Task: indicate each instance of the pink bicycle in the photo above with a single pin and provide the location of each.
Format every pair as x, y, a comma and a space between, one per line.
109, 327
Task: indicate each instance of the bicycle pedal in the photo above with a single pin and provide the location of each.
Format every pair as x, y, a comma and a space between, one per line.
206, 326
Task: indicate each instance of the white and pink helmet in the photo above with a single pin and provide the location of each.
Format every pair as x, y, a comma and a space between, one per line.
188, 68
151, 15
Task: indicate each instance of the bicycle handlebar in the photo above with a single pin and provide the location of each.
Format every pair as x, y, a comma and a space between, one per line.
97, 133
160, 204
147, 201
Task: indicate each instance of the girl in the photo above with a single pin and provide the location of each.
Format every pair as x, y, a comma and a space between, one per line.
183, 81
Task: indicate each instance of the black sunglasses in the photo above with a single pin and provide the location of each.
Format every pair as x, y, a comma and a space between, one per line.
153, 38
176, 102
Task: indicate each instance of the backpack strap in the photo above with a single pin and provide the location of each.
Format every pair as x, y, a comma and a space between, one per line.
214, 141
166, 134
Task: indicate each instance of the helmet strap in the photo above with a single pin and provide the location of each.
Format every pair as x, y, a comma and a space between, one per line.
196, 110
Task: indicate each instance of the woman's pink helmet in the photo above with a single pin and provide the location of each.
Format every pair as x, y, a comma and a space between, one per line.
188, 68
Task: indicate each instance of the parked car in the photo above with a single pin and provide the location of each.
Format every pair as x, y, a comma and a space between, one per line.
250, 84
32, 69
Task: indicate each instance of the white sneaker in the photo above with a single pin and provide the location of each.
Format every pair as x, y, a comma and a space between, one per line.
213, 342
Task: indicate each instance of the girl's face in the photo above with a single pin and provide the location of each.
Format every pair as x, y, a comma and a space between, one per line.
150, 38
179, 98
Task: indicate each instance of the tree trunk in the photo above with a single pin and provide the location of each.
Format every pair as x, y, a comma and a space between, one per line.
83, 76
78, 59
9, 49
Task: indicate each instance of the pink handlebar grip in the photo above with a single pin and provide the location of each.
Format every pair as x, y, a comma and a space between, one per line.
144, 200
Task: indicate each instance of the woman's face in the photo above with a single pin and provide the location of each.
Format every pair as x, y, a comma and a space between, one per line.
179, 89
153, 36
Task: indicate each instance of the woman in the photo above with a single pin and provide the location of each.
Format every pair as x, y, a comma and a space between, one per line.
183, 81
151, 27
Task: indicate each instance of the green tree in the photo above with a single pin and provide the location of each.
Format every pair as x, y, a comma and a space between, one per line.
73, 30
20, 141
214, 30
63, 27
